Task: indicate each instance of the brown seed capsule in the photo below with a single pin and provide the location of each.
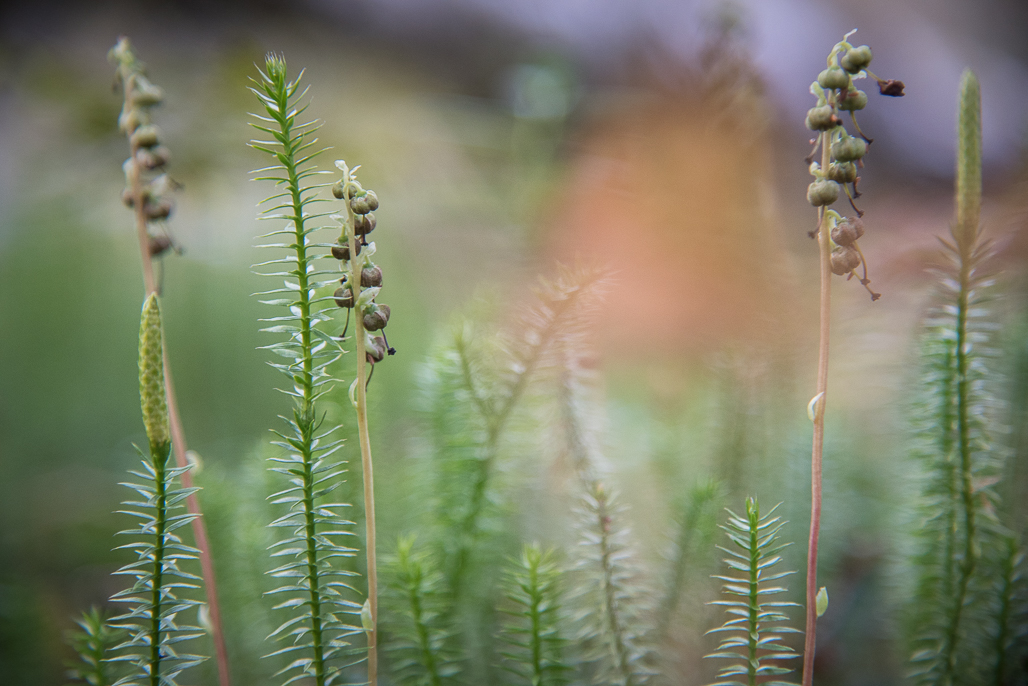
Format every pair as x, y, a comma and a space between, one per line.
371, 277
158, 245
360, 205
341, 251
892, 88
376, 318
844, 260
848, 232
842, 172
372, 200
153, 158
822, 192
364, 224
145, 137
375, 349
344, 297
157, 208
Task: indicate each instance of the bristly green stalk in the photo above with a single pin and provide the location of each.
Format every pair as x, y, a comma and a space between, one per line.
316, 587
533, 629
417, 637
148, 193
749, 631
93, 642
151, 622
612, 599
1009, 627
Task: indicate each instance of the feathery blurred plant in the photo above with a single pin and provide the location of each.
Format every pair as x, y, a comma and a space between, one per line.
750, 628
970, 566
151, 621
315, 586
839, 252
93, 641
148, 192
532, 631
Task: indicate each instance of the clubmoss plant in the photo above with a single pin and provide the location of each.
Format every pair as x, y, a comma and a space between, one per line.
93, 641
315, 587
970, 563
148, 191
752, 639
150, 651
840, 254
536, 644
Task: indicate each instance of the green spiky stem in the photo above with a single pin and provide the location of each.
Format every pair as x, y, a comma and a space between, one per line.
753, 514
825, 244
612, 616
365, 444
414, 577
305, 416
159, 453
178, 433
965, 233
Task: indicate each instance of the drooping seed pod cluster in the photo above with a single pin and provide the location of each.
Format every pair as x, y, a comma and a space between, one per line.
145, 180
841, 153
357, 223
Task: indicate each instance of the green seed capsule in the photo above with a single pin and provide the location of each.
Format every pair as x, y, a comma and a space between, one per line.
822, 192
848, 149
359, 205
372, 200
337, 190
853, 100
833, 78
842, 172
145, 137
822, 118
844, 260
856, 59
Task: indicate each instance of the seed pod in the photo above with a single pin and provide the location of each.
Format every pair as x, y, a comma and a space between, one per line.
892, 88
341, 251
822, 118
145, 136
833, 78
822, 192
344, 297
360, 205
376, 317
129, 120
372, 200
157, 208
151, 375
355, 189
848, 232
856, 59
844, 260
364, 224
842, 172
128, 198
375, 349
145, 94
371, 277
159, 245
853, 100
848, 149
337, 190
153, 158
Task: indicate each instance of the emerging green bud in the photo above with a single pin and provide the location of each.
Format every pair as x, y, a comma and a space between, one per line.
822, 192
144, 137
371, 277
853, 100
844, 260
848, 149
848, 232
833, 78
821, 602
275, 66
151, 375
376, 317
842, 172
822, 118
856, 59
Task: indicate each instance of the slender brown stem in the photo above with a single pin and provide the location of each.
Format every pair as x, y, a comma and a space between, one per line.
178, 434
365, 443
825, 245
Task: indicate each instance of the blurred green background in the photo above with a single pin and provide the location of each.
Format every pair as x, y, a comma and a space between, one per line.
662, 143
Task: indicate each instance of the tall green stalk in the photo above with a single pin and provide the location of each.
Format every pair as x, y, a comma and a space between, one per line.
316, 588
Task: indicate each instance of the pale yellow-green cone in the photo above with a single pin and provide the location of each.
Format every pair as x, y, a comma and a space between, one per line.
969, 162
151, 374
